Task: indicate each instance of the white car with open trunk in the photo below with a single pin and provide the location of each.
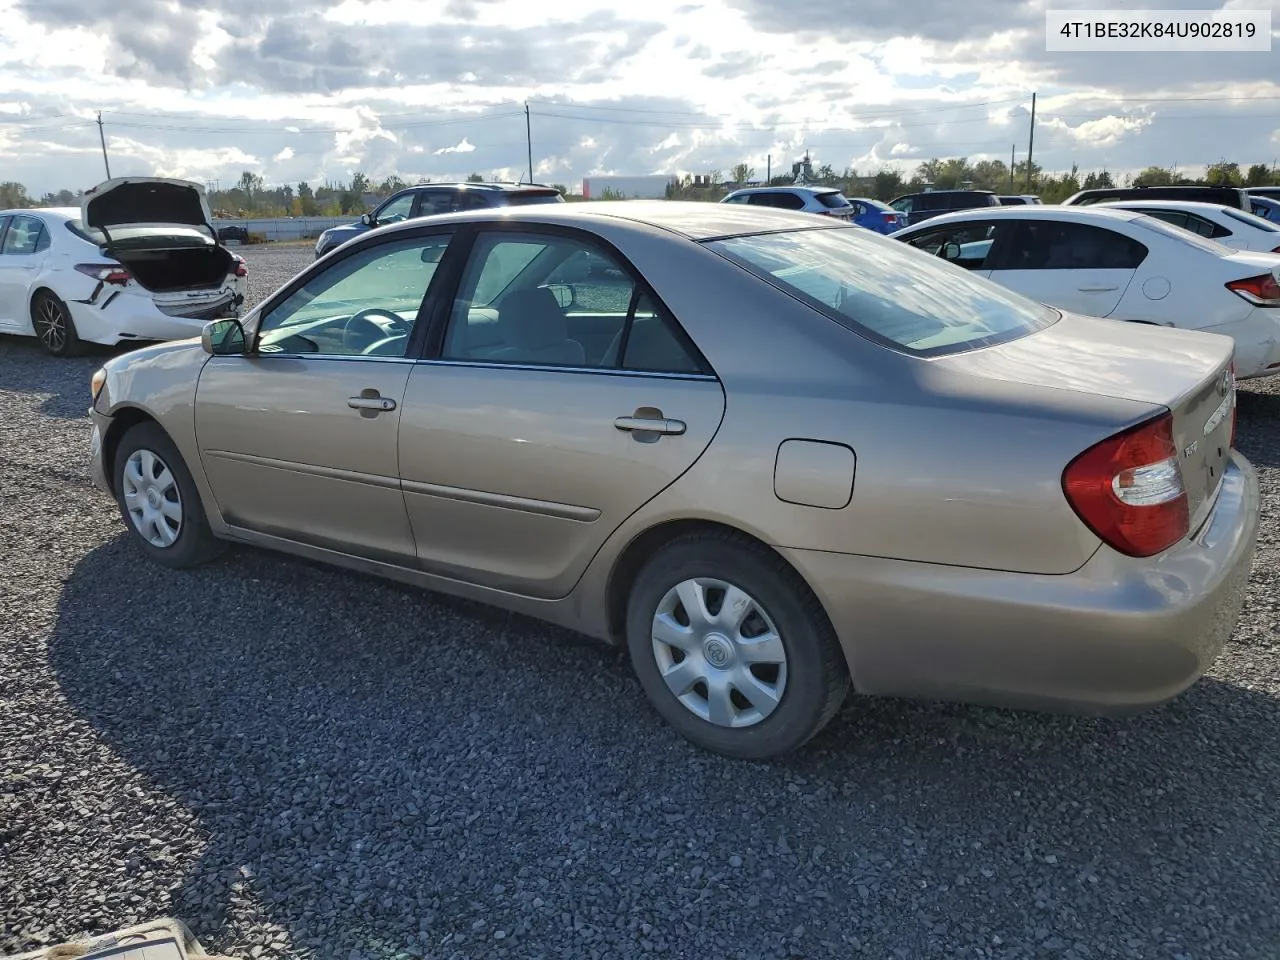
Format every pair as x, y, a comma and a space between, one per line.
139, 260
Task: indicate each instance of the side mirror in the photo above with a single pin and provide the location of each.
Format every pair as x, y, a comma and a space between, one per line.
951, 251
223, 338
367, 219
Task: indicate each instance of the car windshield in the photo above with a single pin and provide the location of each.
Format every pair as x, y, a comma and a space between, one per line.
1184, 236
888, 291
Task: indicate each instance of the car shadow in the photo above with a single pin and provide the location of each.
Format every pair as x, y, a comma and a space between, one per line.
335, 735
1258, 427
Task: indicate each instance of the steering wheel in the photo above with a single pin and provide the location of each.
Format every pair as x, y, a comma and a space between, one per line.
360, 330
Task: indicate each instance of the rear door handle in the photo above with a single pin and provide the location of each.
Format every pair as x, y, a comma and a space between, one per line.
1097, 289
650, 425
371, 403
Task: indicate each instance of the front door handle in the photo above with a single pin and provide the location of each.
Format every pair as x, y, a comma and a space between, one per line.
371, 403
650, 425
1097, 289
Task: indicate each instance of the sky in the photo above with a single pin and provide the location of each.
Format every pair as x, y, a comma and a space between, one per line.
317, 89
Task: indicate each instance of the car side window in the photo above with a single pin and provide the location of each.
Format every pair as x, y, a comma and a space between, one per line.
395, 210
364, 305
967, 245
436, 201
742, 199
904, 205
557, 301
1063, 245
23, 237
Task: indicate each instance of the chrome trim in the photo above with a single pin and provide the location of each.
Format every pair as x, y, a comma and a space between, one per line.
272, 355
606, 371
546, 508
329, 473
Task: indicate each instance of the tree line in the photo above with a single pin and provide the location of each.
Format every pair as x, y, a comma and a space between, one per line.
250, 197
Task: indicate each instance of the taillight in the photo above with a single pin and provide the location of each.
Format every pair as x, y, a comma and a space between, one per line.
1128, 489
890, 217
242, 268
1276, 250
1261, 291
106, 272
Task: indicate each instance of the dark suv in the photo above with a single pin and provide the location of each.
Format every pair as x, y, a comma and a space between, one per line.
1223, 196
426, 199
922, 206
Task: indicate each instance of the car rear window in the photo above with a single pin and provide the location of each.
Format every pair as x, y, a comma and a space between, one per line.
524, 197
887, 291
833, 199
1184, 236
1249, 219
92, 234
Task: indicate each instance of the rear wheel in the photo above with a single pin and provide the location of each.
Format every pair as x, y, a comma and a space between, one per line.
159, 501
53, 325
732, 648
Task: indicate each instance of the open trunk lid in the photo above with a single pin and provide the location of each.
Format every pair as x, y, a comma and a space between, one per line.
142, 202
1187, 371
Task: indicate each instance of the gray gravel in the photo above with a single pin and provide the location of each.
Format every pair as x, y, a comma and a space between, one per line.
304, 762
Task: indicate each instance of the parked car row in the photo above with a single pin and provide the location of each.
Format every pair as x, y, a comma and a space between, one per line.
684, 428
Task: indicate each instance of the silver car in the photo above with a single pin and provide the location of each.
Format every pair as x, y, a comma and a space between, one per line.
777, 456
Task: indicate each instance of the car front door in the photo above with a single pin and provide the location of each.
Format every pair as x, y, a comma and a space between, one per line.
521, 450
1073, 266
23, 248
400, 207
298, 437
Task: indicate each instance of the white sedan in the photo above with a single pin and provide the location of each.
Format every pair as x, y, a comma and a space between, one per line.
138, 261
1106, 262
1230, 227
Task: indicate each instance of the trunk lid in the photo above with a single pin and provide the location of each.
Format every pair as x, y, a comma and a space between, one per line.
1187, 371
146, 202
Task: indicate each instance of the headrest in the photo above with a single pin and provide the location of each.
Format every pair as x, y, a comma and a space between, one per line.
532, 319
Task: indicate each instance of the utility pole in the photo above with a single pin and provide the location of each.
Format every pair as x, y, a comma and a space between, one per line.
1013, 153
1031, 141
102, 138
528, 139
768, 169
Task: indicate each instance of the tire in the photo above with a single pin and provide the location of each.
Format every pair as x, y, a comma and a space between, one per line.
53, 326
183, 542
808, 682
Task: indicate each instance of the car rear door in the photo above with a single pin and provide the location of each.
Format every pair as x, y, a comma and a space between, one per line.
1079, 267
24, 245
520, 450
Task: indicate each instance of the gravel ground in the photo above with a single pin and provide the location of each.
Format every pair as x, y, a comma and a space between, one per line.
305, 762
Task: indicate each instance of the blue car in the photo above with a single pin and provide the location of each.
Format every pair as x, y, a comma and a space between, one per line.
426, 199
877, 216
1265, 207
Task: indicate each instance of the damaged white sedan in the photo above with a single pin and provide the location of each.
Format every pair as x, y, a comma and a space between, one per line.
139, 261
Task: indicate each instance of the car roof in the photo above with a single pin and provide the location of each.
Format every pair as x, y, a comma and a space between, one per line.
688, 218
1189, 205
797, 188
494, 187
1039, 211
66, 213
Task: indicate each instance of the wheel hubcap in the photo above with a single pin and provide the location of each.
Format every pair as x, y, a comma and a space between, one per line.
152, 498
719, 652
53, 327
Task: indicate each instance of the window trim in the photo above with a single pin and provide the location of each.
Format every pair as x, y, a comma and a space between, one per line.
432, 348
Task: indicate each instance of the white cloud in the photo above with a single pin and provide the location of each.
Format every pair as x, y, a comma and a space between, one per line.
318, 89
463, 146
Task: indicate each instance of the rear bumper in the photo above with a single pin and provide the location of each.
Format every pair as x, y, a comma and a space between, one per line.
1116, 636
1257, 339
127, 317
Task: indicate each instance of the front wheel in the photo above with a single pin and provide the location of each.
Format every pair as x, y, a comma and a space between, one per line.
159, 501
732, 648
53, 325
